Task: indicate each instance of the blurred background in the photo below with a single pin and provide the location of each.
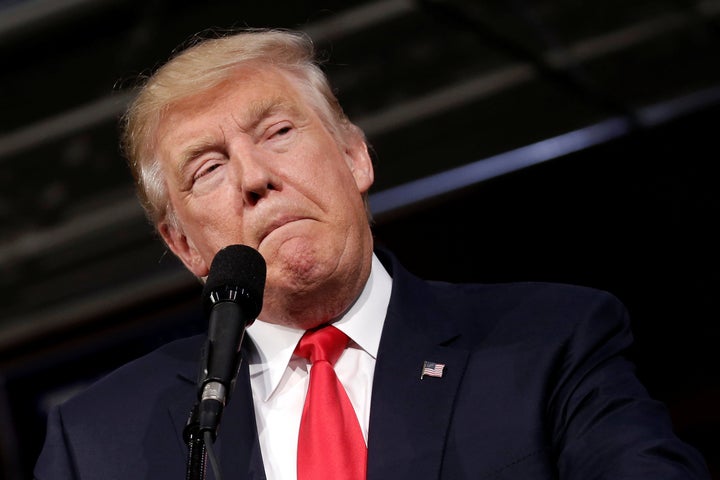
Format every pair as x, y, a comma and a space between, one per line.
554, 140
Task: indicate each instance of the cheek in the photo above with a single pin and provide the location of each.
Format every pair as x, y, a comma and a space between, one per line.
212, 211
210, 230
330, 180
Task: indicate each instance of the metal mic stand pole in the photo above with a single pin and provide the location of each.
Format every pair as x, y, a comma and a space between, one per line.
197, 455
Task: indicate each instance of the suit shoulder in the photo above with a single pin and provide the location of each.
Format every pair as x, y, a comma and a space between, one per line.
518, 295
139, 379
521, 310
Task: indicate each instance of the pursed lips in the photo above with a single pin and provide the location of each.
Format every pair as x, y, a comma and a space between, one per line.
276, 224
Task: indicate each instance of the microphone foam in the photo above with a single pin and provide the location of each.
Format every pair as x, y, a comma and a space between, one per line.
237, 267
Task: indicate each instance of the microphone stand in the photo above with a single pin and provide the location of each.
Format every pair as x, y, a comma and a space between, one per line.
232, 295
201, 427
197, 454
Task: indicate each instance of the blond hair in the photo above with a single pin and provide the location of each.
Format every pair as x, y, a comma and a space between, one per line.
208, 60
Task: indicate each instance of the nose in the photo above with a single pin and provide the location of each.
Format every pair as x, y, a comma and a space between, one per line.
252, 174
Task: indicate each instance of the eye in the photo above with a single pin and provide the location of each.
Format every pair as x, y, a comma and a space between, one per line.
206, 168
280, 136
280, 129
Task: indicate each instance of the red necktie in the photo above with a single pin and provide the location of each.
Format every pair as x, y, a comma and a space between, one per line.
330, 445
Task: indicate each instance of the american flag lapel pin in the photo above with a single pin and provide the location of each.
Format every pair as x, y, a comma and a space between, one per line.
432, 369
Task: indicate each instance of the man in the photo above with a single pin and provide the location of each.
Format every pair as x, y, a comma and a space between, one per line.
239, 140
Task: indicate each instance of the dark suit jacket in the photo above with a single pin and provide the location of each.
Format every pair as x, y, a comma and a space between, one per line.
535, 386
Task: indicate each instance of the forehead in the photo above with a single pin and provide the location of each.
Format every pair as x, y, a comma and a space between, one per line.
249, 90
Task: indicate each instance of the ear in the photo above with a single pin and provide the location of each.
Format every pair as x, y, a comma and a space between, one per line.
183, 248
360, 164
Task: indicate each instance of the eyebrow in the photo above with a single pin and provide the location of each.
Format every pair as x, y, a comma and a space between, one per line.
259, 110
251, 116
193, 151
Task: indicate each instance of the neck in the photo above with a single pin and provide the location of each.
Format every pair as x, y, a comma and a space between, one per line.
323, 303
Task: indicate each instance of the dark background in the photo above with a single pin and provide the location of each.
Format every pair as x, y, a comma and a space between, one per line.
553, 140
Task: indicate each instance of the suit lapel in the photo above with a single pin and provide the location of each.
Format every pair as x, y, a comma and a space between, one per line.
237, 443
409, 415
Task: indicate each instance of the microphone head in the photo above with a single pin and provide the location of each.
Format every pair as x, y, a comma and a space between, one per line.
237, 274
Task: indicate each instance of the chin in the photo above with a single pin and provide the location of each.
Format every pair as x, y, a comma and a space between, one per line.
297, 260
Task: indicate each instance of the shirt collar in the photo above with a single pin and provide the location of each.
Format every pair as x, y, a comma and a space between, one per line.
363, 322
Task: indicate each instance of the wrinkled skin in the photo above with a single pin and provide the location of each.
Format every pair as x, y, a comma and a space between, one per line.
251, 162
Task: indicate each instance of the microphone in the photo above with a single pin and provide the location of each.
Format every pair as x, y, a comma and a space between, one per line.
232, 298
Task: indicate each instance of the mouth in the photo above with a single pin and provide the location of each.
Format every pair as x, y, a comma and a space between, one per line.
277, 224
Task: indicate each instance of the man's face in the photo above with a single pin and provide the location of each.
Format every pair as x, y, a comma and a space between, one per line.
250, 162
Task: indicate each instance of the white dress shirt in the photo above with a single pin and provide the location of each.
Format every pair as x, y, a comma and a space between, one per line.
279, 379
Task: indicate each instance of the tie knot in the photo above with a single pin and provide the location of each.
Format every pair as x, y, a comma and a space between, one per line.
324, 343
